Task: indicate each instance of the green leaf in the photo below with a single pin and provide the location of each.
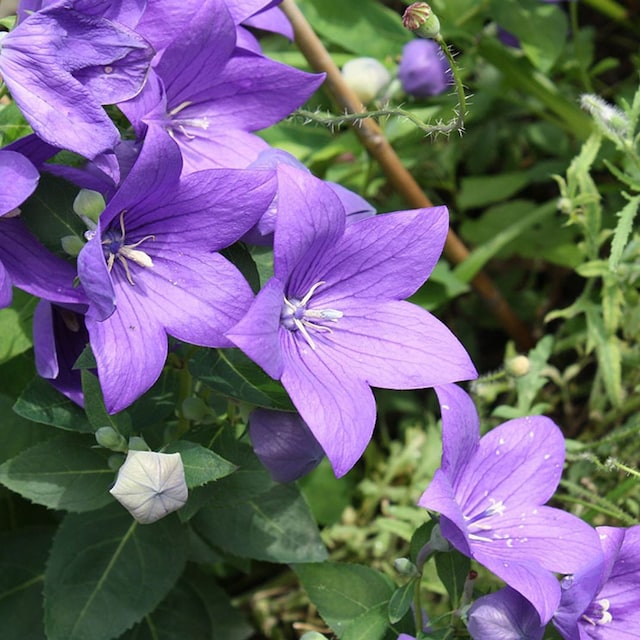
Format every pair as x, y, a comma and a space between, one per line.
479, 191
42, 403
482, 254
276, 526
23, 554
541, 28
106, 572
453, 570
365, 27
96, 410
15, 326
419, 539
345, 592
16, 433
372, 625
623, 231
232, 374
401, 600
61, 473
201, 465
195, 608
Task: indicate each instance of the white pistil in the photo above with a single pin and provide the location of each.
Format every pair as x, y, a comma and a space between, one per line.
127, 252
479, 524
181, 123
296, 316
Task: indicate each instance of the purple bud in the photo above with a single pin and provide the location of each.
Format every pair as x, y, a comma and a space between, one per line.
423, 71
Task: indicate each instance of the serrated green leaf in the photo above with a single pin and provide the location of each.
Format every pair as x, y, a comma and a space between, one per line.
232, 374
106, 572
344, 592
453, 570
195, 608
16, 433
61, 473
623, 231
40, 402
201, 465
23, 554
276, 526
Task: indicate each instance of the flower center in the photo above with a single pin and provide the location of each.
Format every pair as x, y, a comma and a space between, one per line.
180, 124
113, 246
481, 521
598, 613
295, 315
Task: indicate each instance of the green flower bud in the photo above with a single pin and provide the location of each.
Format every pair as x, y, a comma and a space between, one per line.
89, 205
405, 567
71, 245
109, 438
419, 17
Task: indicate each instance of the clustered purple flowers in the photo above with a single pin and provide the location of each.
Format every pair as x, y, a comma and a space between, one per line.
158, 211
330, 323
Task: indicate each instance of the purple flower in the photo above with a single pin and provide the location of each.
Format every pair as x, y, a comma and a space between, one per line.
210, 96
491, 491
423, 71
62, 63
284, 444
18, 180
333, 321
59, 337
151, 267
602, 601
356, 208
504, 615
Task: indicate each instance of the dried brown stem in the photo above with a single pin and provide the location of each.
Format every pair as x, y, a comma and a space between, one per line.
374, 141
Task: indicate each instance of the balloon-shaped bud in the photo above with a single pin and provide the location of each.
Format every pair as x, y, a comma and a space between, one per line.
151, 485
419, 17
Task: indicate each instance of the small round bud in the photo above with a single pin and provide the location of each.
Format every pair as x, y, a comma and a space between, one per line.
151, 485
405, 567
518, 366
109, 438
564, 205
367, 77
89, 204
72, 245
419, 17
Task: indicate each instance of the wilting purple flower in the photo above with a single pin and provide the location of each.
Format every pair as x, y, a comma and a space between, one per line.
59, 337
356, 208
151, 267
62, 63
602, 601
504, 615
210, 97
491, 491
284, 444
423, 71
333, 321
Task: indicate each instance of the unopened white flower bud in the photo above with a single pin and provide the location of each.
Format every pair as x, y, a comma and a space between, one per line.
517, 366
151, 485
367, 77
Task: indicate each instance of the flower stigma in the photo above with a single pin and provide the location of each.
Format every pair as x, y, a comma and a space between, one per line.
114, 247
476, 523
295, 316
598, 613
180, 124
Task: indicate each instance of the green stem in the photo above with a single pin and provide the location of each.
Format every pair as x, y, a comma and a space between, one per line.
609, 8
579, 49
417, 606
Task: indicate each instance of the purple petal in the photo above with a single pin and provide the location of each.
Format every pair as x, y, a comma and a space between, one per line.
241, 10
310, 221
165, 20
517, 463
257, 334
33, 268
130, 348
393, 345
196, 298
18, 180
6, 293
460, 428
339, 410
44, 346
386, 256
504, 615
271, 20
284, 444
